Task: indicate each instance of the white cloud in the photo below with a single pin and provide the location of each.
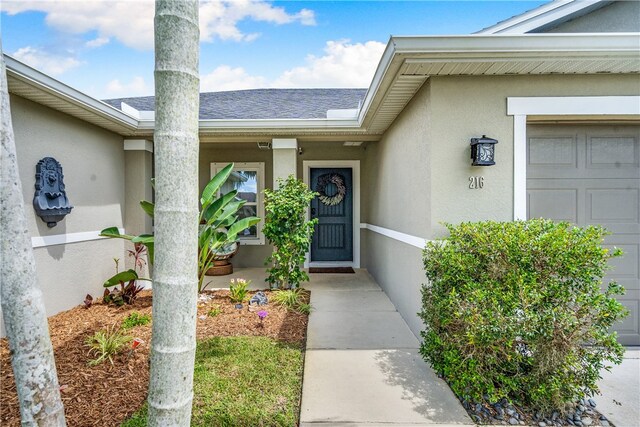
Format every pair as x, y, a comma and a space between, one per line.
48, 62
131, 22
97, 42
344, 64
136, 87
226, 78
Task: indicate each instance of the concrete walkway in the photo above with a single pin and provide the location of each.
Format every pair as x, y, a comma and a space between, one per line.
362, 365
620, 391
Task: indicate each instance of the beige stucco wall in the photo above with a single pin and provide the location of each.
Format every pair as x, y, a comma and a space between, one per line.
418, 174
93, 166
467, 107
398, 180
139, 167
621, 16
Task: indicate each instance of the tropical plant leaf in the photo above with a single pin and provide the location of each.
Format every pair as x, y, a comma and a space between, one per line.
115, 233
144, 239
123, 276
214, 185
216, 207
148, 207
241, 225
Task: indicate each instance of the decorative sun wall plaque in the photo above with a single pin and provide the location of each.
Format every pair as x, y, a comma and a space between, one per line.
50, 200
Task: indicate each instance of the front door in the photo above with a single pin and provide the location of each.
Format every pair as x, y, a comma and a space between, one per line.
333, 236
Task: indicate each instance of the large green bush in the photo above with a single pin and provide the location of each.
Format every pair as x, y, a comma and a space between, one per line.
515, 310
288, 231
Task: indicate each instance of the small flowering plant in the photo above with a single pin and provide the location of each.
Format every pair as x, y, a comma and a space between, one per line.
238, 290
262, 314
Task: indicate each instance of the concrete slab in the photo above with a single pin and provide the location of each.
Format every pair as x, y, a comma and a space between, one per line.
358, 330
620, 391
375, 387
327, 301
361, 280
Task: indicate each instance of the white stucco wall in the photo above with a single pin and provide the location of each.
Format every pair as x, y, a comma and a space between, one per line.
93, 166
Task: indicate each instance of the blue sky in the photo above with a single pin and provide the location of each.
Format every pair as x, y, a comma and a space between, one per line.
105, 47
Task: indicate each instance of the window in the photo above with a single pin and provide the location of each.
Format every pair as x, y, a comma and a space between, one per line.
248, 179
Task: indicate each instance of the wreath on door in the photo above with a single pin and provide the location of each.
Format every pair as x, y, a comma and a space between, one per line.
321, 188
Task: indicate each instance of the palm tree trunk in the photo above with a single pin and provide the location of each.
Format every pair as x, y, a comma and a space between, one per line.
175, 283
23, 311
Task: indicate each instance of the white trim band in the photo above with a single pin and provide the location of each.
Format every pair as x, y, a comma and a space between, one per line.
573, 105
418, 242
63, 239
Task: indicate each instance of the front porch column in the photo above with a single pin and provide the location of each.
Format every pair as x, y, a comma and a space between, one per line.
285, 160
138, 167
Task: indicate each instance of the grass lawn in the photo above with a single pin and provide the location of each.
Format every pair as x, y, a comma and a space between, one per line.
243, 381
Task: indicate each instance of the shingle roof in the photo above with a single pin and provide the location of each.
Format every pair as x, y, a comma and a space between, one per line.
263, 103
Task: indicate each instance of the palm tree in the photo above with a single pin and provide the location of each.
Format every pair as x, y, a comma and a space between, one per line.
175, 284
23, 311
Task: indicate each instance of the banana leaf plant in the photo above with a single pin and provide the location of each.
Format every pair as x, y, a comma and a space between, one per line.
128, 291
219, 224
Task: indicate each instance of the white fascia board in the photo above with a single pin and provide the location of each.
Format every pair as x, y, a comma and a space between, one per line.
543, 16
518, 45
74, 96
215, 124
381, 71
573, 105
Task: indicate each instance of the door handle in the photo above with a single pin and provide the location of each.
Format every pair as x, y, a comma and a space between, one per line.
313, 211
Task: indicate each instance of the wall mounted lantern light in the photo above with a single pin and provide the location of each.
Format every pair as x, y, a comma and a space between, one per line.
483, 151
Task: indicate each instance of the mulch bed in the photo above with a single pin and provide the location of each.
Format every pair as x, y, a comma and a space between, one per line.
106, 395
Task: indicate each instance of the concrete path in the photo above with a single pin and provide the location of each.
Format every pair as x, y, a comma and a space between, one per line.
362, 365
620, 391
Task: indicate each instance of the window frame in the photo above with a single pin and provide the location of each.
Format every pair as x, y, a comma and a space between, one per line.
257, 167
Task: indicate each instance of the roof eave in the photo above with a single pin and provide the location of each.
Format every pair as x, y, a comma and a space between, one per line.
48, 85
545, 16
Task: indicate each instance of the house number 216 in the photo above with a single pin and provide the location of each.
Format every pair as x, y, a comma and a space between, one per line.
476, 182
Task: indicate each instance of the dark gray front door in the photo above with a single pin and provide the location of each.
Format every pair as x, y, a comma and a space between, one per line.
333, 237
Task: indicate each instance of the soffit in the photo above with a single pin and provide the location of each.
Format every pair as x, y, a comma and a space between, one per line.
410, 64
31, 85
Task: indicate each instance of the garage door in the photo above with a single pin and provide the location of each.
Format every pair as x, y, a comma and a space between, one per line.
591, 175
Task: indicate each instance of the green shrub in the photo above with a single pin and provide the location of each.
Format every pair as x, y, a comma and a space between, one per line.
105, 344
293, 299
238, 290
514, 310
135, 319
288, 231
215, 311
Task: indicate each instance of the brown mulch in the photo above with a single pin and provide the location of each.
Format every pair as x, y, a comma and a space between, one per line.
106, 395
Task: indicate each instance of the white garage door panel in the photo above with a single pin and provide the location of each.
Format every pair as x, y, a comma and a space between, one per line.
590, 175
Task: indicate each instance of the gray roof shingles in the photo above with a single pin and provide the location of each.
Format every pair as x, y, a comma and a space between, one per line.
257, 104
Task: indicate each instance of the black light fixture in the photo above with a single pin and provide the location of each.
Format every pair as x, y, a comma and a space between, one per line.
483, 151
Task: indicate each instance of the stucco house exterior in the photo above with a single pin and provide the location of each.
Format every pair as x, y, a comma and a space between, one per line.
558, 87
